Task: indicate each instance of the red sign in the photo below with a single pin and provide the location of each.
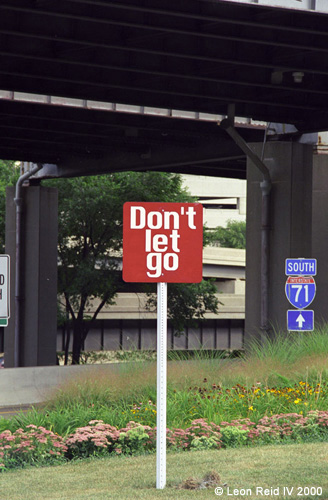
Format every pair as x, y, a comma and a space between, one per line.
300, 280
162, 242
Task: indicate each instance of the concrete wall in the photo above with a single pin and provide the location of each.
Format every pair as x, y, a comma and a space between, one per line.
218, 195
32, 385
37, 344
320, 235
290, 166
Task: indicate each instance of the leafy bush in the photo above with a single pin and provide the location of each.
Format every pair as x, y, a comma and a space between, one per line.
33, 446
135, 439
233, 437
200, 433
203, 443
95, 439
38, 446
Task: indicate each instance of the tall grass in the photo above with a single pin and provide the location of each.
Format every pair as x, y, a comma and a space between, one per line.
285, 373
290, 357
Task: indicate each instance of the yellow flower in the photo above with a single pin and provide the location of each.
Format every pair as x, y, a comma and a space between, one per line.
251, 408
298, 400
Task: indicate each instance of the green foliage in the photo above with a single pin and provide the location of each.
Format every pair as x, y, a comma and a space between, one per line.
233, 437
187, 303
39, 446
204, 443
32, 446
133, 441
288, 352
233, 236
202, 412
9, 174
90, 237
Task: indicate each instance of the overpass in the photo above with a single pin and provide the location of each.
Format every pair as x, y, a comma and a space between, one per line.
226, 58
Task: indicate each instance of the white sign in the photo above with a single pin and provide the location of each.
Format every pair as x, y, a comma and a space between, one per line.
4, 290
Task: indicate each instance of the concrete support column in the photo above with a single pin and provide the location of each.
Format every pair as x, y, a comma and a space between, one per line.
37, 345
291, 167
320, 235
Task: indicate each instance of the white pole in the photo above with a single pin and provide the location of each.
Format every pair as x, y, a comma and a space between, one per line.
161, 385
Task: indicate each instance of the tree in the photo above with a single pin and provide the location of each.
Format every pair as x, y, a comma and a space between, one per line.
9, 173
233, 236
90, 237
187, 303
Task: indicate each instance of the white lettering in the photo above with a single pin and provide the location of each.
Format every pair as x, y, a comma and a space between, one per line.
174, 237
301, 267
174, 259
243, 492
148, 241
167, 216
191, 212
154, 220
160, 243
154, 263
141, 212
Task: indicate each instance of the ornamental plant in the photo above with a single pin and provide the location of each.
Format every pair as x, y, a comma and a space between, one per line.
135, 439
33, 446
100, 439
232, 437
39, 446
95, 439
200, 433
283, 427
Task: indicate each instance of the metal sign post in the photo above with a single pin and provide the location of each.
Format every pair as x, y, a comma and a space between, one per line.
161, 385
162, 243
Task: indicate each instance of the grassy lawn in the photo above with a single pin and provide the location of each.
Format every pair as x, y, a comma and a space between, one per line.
123, 478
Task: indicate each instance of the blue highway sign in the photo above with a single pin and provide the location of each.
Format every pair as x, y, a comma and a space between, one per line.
301, 267
300, 321
300, 291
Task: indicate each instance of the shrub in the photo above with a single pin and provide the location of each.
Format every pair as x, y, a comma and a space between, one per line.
99, 439
134, 440
95, 439
200, 431
203, 443
33, 446
233, 436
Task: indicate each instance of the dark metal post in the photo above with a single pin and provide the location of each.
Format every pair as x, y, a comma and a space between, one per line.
265, 255
18, 296
265, 218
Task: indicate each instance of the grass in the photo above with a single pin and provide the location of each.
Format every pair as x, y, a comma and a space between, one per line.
123, 394
285, 374
122, 478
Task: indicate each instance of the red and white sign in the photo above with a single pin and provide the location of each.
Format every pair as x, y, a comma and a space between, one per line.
162, 242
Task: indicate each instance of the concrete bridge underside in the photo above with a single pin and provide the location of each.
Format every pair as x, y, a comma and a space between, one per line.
212, 58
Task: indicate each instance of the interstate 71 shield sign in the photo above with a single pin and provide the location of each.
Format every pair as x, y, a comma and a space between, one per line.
162, 242
300, 290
